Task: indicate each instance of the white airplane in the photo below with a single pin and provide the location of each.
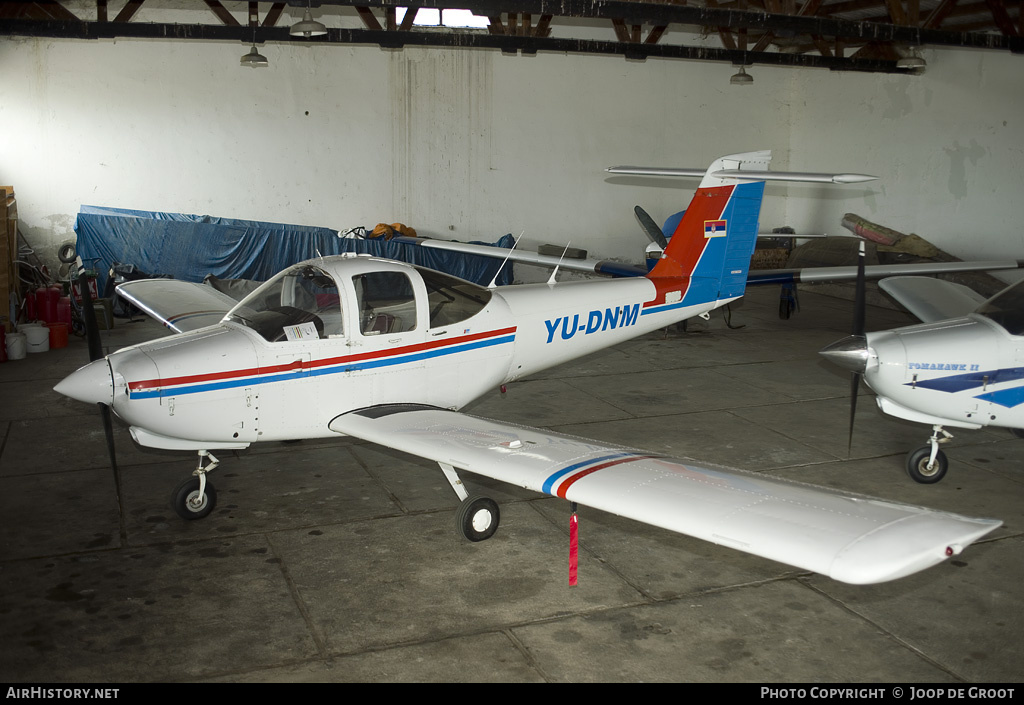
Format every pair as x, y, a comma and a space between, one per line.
962, 367
388, 352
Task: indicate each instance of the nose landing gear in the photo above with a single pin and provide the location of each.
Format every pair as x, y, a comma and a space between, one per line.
195, 498
928, 464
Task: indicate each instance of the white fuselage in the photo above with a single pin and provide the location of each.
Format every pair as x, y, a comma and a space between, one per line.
966, 372
226, 386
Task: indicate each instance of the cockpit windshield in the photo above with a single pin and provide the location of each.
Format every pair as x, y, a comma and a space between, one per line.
299, 303
1007, 309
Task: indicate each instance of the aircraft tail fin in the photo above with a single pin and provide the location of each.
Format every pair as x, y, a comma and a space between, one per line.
715, 239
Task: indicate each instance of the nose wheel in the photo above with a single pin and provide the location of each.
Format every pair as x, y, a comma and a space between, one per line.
928, 464
196, 497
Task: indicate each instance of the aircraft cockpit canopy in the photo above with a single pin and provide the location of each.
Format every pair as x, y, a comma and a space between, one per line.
1006, 308
300, 302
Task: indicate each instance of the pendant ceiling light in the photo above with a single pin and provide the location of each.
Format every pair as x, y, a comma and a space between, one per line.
911, 61
254, 59
741, 78
308, 27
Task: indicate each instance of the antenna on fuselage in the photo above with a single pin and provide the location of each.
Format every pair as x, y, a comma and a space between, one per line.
551, 279
494, 281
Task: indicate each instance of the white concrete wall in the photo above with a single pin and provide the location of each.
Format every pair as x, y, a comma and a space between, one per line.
473, 144
948, 146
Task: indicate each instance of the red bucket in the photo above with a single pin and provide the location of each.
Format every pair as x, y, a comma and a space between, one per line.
58, 335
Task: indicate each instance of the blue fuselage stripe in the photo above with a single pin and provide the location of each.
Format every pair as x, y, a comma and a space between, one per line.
341, 367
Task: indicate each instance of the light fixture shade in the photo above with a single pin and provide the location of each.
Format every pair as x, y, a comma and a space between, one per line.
911, 62
741, 78
254, 59
308, 27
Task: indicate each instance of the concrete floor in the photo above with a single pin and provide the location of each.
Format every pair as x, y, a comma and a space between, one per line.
339, 561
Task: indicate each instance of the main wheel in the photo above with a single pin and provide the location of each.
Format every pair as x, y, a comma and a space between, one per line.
186, 501
917, 465
477, 518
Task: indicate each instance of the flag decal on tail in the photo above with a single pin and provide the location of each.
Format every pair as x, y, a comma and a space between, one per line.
714, 228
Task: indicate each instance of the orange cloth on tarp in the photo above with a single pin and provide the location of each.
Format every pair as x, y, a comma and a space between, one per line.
389, 231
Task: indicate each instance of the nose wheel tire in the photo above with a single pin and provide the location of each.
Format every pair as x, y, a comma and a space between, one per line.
918, 467
187, 502
477, 518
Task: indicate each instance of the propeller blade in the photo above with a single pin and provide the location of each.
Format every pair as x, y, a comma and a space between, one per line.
108, 429
859, 306
92, 332
854, 389
859, 295
651, 228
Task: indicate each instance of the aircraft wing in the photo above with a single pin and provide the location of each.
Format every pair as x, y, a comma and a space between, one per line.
809, 275
755, 277
932, 299
848, 537
181, 306
589, 266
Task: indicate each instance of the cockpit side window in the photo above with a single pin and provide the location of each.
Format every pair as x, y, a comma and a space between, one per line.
298, 304
386, 303
451, 299
1007, 309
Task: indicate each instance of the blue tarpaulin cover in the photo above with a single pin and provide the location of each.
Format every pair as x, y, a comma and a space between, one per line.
188, 247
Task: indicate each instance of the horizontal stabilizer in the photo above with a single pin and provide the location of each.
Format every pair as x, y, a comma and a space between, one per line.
848, 537
750, 174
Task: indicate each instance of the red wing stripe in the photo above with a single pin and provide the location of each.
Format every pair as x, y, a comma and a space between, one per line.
569, 482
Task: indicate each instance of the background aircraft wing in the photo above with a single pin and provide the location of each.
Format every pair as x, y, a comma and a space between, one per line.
809, 275
755, 277
181, 306
851, 538
932, 299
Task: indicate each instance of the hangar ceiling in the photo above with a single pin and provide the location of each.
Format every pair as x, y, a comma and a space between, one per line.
840, 35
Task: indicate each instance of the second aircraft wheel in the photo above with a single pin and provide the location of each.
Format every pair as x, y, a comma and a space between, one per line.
917, 465
477, 518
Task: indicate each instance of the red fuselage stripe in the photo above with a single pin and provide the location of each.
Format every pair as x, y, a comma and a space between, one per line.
273, 369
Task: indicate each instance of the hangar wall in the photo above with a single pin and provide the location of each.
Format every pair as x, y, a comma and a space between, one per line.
473, 144
947, 146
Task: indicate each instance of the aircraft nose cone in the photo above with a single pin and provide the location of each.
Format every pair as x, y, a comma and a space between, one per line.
850, 353
91, 384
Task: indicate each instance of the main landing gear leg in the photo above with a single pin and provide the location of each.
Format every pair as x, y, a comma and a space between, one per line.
477, 517
928, 464
195, 498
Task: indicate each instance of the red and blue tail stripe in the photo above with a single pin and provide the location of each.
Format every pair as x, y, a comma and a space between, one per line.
710, 249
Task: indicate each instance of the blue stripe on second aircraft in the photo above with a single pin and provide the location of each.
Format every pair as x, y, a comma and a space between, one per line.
952, 384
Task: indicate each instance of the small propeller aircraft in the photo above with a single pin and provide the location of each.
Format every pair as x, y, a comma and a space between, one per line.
963, 366
388, 352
